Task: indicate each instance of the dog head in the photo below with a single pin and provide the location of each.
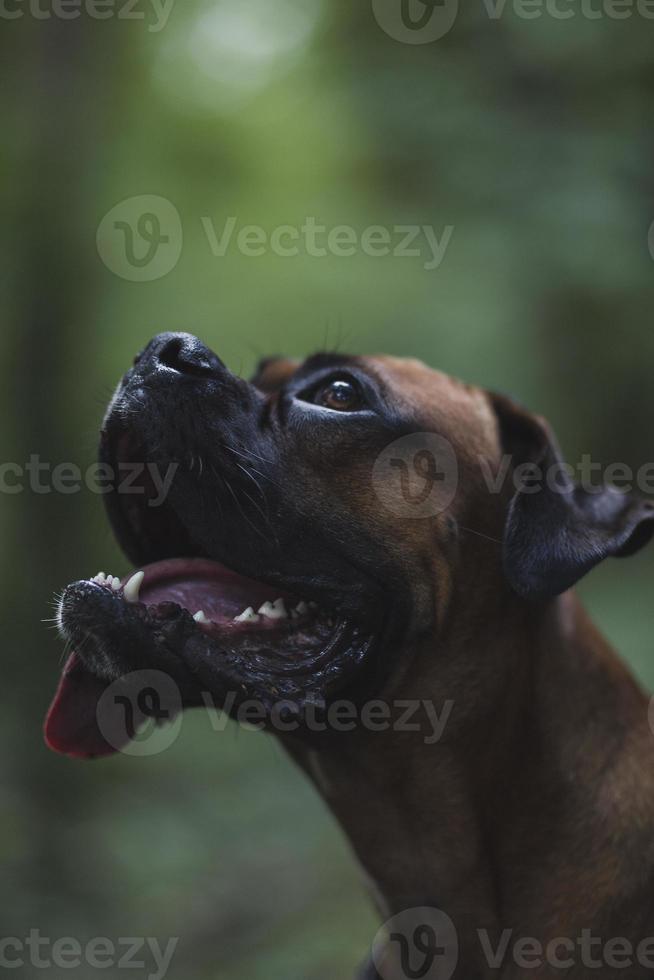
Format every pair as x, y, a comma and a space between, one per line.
317, 522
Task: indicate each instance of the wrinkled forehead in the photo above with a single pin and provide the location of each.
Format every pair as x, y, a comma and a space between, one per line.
442, 403
416, 392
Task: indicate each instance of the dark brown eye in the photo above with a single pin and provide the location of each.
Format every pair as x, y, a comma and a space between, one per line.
340, 395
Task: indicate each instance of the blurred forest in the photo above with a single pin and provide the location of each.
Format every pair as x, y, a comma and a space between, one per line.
529, 136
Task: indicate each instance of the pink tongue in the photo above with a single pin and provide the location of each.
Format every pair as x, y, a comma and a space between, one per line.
196, 583
194, 594
71, 725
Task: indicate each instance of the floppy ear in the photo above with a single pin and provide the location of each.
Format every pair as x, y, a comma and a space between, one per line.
556, 530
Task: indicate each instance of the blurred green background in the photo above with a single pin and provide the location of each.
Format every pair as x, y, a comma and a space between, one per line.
528, 136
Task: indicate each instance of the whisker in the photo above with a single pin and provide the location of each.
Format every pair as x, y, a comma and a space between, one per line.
265, 515
264, 476
243, 514
252, 454
480, 534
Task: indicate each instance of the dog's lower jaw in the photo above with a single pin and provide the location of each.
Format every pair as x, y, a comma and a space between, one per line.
116, 638
485, 825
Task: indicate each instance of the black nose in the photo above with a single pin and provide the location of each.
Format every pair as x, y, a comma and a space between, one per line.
181, 352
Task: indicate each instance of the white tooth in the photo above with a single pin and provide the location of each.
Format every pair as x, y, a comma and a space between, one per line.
131, 588
115, 582
199, 617
247, 616
274, 610
100, 578
301, 608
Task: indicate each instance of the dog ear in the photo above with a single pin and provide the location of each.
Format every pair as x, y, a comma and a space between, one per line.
271, 372
556, 530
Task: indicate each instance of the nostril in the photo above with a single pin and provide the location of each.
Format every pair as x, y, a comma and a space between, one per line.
170, 354
183, 355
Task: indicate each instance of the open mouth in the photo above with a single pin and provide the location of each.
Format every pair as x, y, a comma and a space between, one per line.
209, 628
219, 600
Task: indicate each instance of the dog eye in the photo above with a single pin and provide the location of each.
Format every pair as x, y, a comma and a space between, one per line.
340, 394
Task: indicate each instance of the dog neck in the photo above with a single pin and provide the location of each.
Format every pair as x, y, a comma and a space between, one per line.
483, 822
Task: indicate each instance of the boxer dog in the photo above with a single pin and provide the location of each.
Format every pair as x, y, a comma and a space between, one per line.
317, 546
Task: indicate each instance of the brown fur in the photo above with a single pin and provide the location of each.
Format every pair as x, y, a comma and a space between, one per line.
535, 811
